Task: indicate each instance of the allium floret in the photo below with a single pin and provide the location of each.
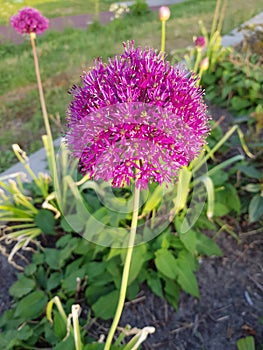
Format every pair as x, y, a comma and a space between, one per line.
136, 117
29, 20
200, 42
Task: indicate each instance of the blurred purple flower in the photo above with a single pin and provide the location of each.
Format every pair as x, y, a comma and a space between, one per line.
29, 20
200, 42
137, 118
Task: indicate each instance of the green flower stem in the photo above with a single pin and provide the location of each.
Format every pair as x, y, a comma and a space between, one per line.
197, 60
40, 87
163, 36
52, 163
126, 269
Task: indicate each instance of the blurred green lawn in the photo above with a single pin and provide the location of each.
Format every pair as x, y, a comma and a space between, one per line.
63, 57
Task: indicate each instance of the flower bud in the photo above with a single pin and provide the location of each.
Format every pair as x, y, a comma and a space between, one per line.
200, 42
204, 64
164, 13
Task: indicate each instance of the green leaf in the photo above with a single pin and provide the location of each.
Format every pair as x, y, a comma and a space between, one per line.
106, 305
59, 324
67, 344
95, 269
207, 246
186, 278
139, 257
154, 200
247, 343
30, 269
154, 282
31, 306
172, 292
45, 221
22, 287
132, 290
54, 280
165, 263
255, 209
94, 292
69, 284
250, 171
220, 209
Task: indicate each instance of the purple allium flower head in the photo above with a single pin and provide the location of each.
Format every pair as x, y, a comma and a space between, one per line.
136, 117
29, 20
200, 42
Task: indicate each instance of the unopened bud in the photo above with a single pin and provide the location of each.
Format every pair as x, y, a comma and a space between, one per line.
200, 42
164, 13
204, 64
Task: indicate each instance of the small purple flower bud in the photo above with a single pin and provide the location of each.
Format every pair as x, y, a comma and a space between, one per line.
29, 20
200, 42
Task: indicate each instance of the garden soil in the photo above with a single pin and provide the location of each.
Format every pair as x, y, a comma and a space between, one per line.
230, 304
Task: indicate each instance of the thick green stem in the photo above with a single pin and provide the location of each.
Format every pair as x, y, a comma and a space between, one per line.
49, 146
163, 36
126, 269
40, 87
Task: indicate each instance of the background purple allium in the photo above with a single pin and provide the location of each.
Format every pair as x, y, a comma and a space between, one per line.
137, 117
200, 42
29, 20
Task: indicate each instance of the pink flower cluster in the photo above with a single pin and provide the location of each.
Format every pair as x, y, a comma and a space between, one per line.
200, 42
29, 20
136, 117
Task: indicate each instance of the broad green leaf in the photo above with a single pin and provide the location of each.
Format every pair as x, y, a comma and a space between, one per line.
67, 344
132, 290
139, 257
250, 171
247, 343
22, 287
94, 292
45, 221
30, 269
95, 269
59, 325
154, 282
106, 305
31, 306
172, 292
69, 284
207, 246
54, 280
186, 278
255, 209
165, 262
220, 209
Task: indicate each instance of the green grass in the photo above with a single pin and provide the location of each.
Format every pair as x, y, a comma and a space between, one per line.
63, 57
52, 8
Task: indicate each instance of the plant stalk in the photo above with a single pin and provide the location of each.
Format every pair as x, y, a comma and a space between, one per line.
49, 144
40, 87
126, 269
163, 36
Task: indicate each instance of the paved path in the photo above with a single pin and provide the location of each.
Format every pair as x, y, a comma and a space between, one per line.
7, 33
